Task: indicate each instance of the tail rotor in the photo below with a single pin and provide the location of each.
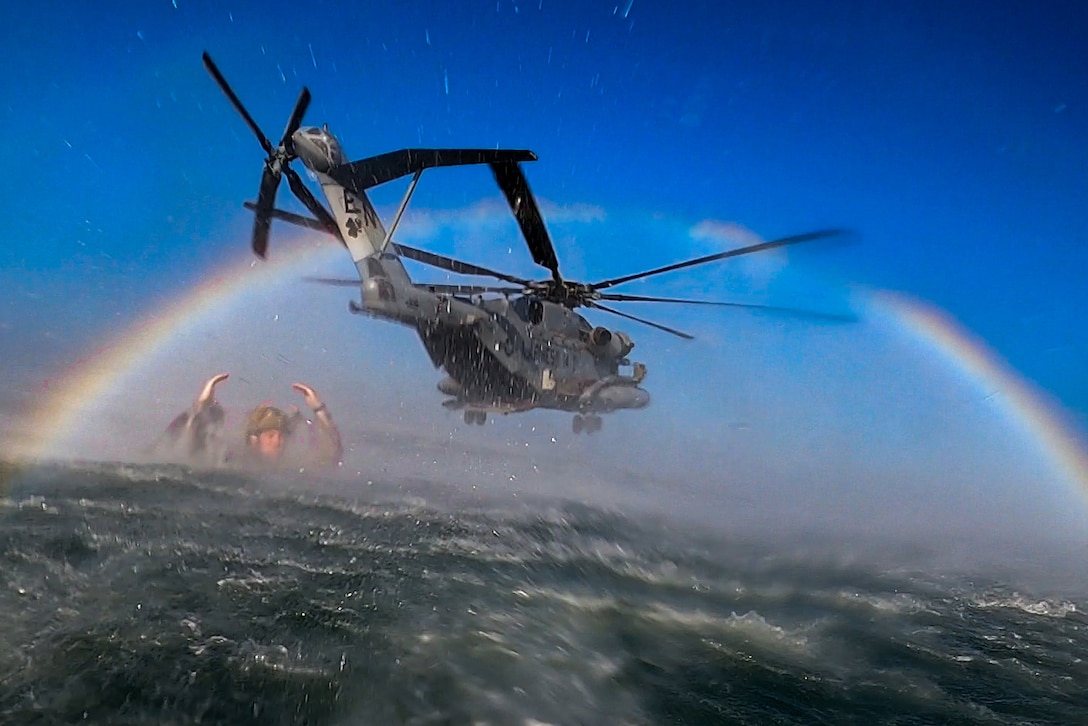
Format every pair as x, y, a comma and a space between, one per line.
276, 164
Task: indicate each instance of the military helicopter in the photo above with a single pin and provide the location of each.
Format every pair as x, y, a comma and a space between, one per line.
505, 349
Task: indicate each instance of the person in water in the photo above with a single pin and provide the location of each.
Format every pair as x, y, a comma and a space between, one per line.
273, 438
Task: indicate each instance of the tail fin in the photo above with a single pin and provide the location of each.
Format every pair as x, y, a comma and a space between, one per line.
355, 219
360, 227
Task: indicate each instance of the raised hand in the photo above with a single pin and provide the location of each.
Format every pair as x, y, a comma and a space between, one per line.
207, 395
309, 395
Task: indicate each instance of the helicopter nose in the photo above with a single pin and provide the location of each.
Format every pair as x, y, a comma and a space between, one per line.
617, 397
639, 398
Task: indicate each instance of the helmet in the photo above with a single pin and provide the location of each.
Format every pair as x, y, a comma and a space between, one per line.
267, 418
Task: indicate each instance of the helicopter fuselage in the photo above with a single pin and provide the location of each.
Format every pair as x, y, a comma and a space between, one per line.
501, 353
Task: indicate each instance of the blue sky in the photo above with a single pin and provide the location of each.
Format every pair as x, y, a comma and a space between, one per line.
953, 137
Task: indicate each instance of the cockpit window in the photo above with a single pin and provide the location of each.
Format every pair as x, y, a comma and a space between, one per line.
521, 308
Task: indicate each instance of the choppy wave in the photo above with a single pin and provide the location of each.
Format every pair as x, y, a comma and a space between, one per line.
153, 594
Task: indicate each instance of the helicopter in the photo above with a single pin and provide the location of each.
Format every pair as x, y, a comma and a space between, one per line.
505, 348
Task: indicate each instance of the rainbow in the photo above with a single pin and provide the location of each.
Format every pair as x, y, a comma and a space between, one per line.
1023, 403
66, 401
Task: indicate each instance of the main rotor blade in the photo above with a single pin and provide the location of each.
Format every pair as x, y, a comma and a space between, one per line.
795, 239
214, 70
511, 179
338, 281
448, 263
295, 121
262, 218
439, 288
667, 329
618, 297
316, 208
443, 289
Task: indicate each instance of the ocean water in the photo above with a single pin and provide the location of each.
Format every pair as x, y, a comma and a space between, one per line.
158, 595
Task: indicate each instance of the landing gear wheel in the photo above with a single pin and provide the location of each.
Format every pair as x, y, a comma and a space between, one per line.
593, 424
475, 417
577, 423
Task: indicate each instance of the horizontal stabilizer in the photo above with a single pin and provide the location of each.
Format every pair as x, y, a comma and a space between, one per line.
364, 174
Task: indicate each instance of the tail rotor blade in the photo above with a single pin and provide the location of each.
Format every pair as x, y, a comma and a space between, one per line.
295, 219
295, 121
214, 70
266, 198
310, 202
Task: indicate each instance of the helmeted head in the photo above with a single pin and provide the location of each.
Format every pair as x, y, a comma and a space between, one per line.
267, 429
